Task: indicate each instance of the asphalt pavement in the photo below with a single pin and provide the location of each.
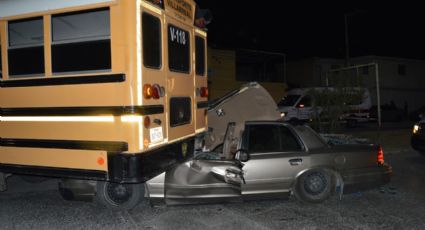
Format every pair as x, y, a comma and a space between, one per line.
398, 205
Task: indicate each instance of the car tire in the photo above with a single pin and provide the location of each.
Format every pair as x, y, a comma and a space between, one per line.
120, 196
314, 186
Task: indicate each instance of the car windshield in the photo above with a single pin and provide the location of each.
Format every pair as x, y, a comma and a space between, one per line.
289, 100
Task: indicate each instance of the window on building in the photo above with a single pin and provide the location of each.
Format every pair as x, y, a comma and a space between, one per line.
335, 66
151, 33
402, 69
26, 50
81, 41
260, 67
365, 70
200, 56
178, 49
271, 138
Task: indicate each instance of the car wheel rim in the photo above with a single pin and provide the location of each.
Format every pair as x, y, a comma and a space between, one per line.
118, 194
315, 183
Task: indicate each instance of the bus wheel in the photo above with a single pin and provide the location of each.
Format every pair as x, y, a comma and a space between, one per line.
119, 196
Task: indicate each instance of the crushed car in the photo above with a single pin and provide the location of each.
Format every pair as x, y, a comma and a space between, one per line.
257, 155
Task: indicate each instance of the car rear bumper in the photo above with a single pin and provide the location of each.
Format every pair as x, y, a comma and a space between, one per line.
366, 178
418, 143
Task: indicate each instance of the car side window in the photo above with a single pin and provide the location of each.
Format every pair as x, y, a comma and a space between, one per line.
271, 138
289, 142
263, 138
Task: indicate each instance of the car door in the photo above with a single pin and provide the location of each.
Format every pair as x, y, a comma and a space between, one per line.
206, 178
276, 157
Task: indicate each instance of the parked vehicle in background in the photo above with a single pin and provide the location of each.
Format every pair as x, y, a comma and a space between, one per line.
273, 160
299, 105
418, 136
389, 113
415, 115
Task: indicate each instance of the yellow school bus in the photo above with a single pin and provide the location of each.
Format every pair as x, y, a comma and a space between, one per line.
112, 91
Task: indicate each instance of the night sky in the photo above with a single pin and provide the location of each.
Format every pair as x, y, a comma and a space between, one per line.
306, 29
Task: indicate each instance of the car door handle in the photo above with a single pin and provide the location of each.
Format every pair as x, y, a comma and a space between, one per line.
296, 161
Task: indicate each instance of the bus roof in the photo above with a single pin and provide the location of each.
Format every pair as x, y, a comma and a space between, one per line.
9, 8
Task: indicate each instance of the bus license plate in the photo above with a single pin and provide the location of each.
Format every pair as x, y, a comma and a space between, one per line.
156, 134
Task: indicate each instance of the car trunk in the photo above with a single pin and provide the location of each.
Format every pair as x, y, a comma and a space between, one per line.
352, 156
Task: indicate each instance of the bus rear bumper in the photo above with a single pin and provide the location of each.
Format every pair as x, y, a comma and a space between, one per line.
122, 167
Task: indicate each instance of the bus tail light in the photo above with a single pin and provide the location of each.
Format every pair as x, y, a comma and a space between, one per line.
153, 91
380, 157
147, 91
204, 92
156, 91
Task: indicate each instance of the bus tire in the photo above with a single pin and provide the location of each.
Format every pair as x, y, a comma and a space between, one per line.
119, 196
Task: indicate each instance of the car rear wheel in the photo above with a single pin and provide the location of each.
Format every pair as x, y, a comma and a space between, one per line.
314, 186
120, 196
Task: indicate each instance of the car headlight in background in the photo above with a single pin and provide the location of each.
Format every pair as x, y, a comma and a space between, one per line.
416, 129
283, 114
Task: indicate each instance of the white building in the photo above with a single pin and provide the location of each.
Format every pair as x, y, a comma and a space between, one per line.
401, 80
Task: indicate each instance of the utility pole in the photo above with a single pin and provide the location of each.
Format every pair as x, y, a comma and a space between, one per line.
347, 40
347, 43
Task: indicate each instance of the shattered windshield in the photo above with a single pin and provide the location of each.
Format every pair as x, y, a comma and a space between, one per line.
289, 100
208, 156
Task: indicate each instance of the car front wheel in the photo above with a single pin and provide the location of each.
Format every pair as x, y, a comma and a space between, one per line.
314, 186
120, 196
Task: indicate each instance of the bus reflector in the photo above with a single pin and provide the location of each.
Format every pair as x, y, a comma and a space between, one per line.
100, 161
147, 122
204, 92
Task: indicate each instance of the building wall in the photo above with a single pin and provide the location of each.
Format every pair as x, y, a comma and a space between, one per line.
406, 89
222, 75
401, 89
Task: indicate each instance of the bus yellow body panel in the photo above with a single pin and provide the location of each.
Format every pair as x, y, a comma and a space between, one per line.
96, 120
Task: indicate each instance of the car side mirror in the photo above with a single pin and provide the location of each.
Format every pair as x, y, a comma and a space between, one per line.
242, 155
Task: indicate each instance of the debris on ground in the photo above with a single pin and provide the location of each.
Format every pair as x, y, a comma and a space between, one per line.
388, 190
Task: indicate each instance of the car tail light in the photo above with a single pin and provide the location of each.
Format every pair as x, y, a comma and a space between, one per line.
204, 92
380, 157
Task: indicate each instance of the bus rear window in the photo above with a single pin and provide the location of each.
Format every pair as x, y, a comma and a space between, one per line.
200, 56
151, 30
81, 41
178, 49
26, 51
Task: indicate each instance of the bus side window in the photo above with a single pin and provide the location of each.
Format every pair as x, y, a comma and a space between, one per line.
151, 33
81, 41
200, 55
26, 47
178, 49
